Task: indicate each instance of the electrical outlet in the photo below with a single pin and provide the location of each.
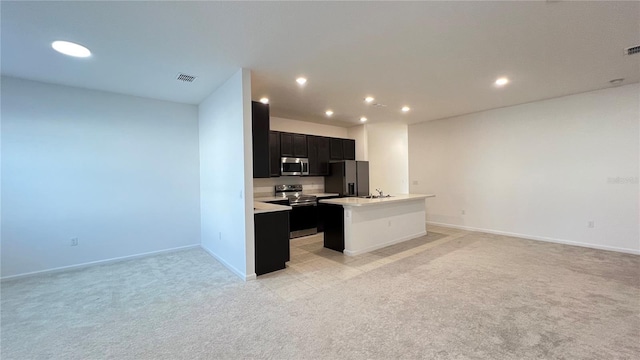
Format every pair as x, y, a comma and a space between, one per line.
591, 224
389, 224
74, 241
220, 236
463, 212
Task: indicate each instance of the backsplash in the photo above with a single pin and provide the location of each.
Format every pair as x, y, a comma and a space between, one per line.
310, 184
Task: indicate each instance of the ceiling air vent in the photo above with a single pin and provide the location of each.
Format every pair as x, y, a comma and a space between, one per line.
185, 78
632, 50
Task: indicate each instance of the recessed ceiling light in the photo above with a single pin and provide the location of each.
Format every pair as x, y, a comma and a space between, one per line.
369, 99
301, 80
71, 49
405, 108
363, 119
264, 100
502, 81
329, 112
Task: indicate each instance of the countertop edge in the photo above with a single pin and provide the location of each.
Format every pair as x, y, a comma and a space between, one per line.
359, 202
263, 207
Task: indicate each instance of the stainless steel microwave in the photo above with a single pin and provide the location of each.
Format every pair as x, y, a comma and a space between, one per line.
294, 166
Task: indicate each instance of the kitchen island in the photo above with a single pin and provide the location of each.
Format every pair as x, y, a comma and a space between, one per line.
357, 225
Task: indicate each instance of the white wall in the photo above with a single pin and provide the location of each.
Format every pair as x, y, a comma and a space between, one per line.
388, 157
309, 128
120, 173
386, 147
540, 170
359, 134
226, 172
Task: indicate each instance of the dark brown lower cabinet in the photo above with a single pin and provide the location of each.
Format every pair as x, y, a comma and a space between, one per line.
271, 241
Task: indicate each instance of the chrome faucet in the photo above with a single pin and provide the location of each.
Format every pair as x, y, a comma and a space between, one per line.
380, 194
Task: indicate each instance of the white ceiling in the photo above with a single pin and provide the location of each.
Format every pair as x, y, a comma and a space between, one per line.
440, 58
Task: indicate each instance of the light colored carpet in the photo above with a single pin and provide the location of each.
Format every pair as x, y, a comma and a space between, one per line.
450, 295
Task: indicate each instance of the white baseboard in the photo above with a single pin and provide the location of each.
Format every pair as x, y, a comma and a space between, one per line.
239, 273
380, 246
538, 238
251, 277
98, 262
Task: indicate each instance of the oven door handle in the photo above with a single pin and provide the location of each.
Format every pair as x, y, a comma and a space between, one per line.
304, 204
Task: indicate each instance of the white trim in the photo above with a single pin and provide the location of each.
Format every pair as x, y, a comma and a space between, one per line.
380, 246
239, 273
98, 262
538, 238
251, 277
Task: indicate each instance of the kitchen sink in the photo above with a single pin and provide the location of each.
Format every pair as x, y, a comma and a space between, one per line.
374, 196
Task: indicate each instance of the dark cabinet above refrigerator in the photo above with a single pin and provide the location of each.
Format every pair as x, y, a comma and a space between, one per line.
343, 149
348, 149
336, 149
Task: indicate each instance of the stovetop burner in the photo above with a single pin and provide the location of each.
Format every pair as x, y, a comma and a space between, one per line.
294, 194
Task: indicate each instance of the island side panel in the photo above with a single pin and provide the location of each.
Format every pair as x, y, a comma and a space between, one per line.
368, 228
333, 226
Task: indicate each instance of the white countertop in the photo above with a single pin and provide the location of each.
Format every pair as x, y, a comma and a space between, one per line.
263, 207
357, 201
277, 198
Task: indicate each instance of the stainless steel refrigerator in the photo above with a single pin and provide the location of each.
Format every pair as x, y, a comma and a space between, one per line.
348, 178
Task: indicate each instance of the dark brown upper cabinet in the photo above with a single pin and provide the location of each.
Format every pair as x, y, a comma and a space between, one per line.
260, 139
300, 145
349, 149
324, 155
274, 153
336, 150
343, 149
293, 145
318, 153
286, 144
312, 151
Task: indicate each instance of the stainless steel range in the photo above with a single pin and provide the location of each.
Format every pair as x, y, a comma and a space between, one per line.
304, 210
